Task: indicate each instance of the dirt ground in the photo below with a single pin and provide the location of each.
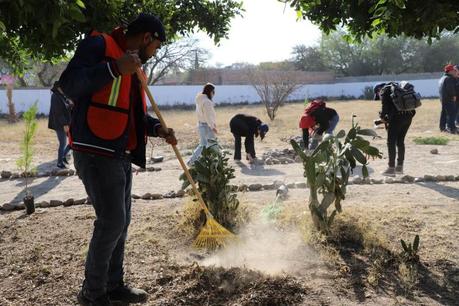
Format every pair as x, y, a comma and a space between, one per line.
42, 255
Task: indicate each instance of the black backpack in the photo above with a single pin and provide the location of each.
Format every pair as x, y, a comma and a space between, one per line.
404, 97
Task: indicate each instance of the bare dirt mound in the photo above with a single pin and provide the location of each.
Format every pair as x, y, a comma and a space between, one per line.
196, 285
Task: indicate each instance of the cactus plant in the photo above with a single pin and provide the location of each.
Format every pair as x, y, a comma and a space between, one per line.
410, 251
328, 167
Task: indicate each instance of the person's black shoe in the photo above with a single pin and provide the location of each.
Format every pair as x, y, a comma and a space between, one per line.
65, 161
124, 294
100, 301
61, 166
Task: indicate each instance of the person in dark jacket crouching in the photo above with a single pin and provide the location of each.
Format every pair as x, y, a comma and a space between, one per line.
249, 127
321, 120
397, 124
59, 121
108, 132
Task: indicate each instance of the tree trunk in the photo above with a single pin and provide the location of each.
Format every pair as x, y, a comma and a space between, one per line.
11, 109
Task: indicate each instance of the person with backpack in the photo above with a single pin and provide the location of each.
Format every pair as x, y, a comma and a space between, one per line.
447, 90
206, 120
397, 114
317, 119
247, 126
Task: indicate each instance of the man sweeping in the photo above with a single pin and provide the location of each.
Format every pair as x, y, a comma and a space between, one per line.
108, 132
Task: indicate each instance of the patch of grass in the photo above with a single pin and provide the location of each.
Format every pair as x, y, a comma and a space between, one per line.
441, 141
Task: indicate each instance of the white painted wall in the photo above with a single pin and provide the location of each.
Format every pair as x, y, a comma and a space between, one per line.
170, 95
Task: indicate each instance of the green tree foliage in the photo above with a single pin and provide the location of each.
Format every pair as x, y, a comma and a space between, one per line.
380, 55
327, 171
24, 163
47, 30
213, 174
413, 18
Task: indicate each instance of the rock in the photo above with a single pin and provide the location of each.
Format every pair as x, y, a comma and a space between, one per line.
79, 201
450, 178
434, 151
440, 178
269, 161
42, 174
278, 183
71, 172
55, 203
42, 204
156, 196
140, 170
69, 202
357, 180
407, 179
291, 185
157, 169
135, 196
366, 181
418, 179
14, 176
269, 187
61, 172
429, 178
151, 169
19, 206
242, 187
301, 185
157, 159
5, 174
457, 178
233, 188
275, 161
146, 196
169, 195
180, 193
255, 187
398, 181
298, 159
8, 207
388, 180
377, 181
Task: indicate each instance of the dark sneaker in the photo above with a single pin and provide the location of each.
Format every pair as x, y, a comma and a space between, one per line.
100, 301
65, 161
61, 166
124, 294
399, 169
390, 171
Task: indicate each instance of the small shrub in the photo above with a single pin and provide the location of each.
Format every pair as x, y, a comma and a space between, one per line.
24, 163
213, 174
441, 141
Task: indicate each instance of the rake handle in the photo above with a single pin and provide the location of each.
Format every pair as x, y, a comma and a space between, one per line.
141, 77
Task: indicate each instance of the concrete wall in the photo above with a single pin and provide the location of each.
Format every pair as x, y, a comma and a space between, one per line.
170, 95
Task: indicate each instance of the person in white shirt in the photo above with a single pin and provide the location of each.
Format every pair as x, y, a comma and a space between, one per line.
206, 120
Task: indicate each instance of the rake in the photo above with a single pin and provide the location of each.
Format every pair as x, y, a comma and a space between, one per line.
212, 235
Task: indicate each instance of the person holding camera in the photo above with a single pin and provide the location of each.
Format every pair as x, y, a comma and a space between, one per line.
397, 124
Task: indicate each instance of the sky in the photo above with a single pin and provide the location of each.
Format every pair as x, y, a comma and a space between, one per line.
265, 32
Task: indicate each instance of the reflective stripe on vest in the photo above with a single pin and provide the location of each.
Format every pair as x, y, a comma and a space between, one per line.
114, 92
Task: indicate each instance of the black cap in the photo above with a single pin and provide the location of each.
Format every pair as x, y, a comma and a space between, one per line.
376, 90
147, 23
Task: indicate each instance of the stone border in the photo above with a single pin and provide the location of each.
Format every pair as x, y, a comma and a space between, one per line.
8, 175
406, 179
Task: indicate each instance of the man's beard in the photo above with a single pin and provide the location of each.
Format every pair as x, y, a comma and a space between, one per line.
143, 56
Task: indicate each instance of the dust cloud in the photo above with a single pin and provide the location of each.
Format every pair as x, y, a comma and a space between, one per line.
264, 248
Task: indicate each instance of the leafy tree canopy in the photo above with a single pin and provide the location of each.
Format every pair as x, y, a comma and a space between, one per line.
413, 18
48, 30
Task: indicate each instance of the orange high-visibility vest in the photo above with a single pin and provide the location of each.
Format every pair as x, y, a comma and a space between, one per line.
108, 114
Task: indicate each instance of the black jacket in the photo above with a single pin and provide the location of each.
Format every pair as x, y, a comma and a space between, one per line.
59, 112
86, 74
244, 125
322, 117
447, 88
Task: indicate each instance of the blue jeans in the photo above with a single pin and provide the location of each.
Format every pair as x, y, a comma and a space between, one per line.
448, 116
332, 125
205, 134
64, 148
108, 183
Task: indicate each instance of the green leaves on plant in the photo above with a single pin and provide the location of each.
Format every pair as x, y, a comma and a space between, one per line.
410, 251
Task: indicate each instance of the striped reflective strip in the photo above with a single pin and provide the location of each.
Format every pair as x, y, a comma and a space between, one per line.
115, 91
